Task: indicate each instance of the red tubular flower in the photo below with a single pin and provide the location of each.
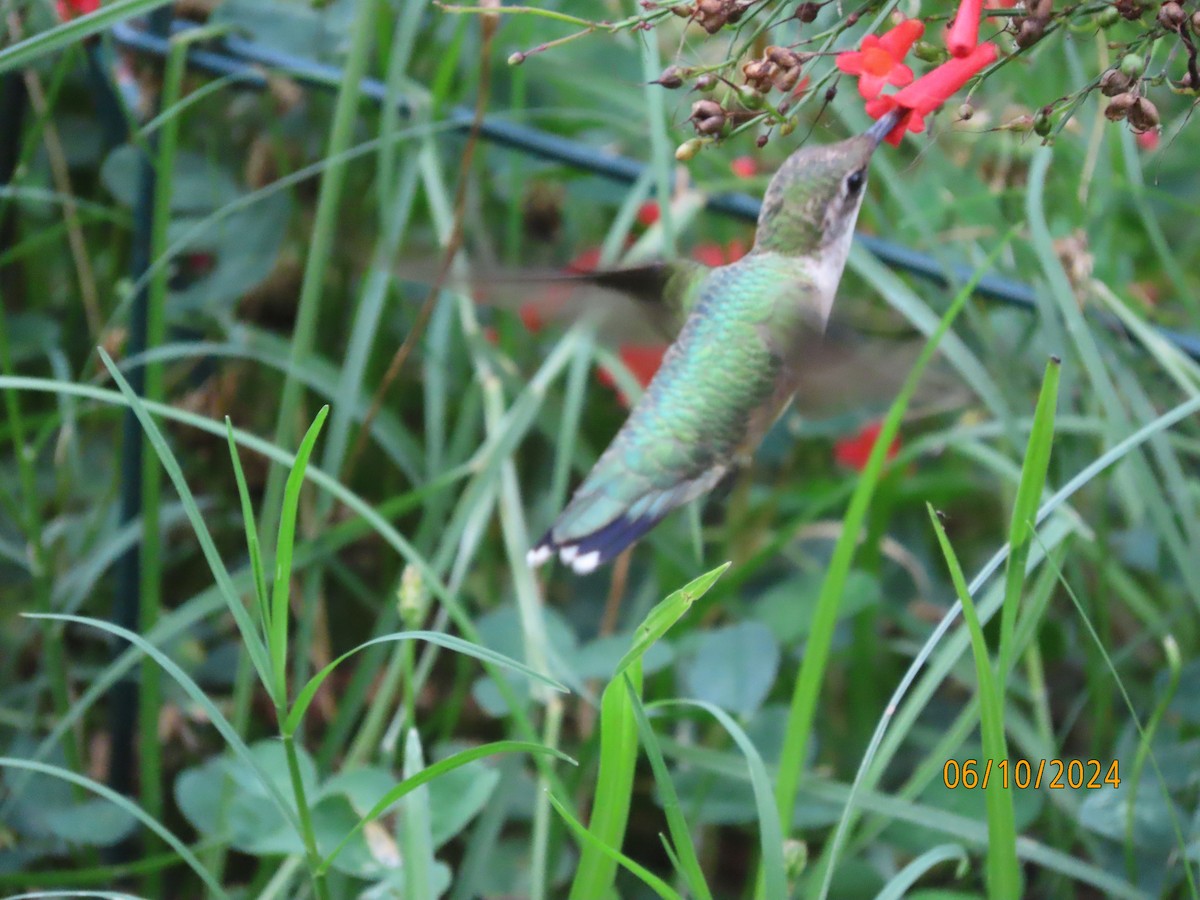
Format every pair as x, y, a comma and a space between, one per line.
963, 36
931, 90
878, 63
853, 452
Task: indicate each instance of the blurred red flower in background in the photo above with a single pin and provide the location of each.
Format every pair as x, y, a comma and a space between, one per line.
73, 9
854, 451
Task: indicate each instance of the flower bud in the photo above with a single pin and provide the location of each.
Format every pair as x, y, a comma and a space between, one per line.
761, 141
750, 98
1042, 124
1119, 106
1132, 65
966, 111
795, 858
1108, 17
516, 59
412, 597
706, 83
1196, 21
927, 52
687, 149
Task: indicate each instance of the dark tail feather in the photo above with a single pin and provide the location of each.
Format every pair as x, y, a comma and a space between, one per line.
587, 553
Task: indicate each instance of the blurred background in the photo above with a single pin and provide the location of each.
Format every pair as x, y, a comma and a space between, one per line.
259, 208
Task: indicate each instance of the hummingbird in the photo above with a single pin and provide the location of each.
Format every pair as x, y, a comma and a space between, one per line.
736, 363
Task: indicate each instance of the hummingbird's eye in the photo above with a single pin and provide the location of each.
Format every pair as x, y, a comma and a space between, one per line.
856, 180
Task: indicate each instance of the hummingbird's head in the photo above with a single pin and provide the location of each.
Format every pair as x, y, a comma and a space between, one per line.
813, 199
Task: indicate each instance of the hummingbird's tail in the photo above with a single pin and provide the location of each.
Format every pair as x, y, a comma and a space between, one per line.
602, 520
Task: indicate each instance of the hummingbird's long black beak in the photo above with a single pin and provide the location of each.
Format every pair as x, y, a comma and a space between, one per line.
883, 127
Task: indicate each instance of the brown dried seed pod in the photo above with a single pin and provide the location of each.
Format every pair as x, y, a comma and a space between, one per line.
708, 117
1196, 21
1043, 9
758, 70
1119, 106
1143, 115
1030, 32
807, 12
1130, 9
783, 57
1171, 16
671, 78
1114, 82
786, 80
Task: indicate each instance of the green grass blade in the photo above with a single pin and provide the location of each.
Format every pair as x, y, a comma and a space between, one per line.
899, 884
284, 543
252, 545
683, 854
597, 868
1029, 494
660, 619
416, 839
1003, 869
449, 642
589, 842
773, 871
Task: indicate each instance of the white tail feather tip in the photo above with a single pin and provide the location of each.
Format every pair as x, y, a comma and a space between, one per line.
538, 555
586, 563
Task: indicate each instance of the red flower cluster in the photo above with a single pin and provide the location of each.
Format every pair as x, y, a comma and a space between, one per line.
878, 63
930, 91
